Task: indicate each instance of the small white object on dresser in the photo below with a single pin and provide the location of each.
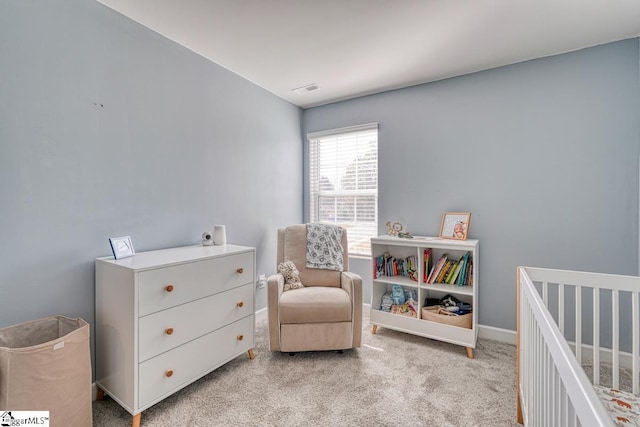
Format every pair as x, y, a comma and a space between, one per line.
383, 281
166, 318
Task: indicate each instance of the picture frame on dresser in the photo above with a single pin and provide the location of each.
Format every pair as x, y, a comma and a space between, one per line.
455, 225
121, 247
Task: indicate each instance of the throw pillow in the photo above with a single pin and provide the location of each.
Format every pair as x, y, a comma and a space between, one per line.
291, 275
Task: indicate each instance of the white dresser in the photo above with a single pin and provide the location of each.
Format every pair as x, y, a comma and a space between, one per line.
165, 318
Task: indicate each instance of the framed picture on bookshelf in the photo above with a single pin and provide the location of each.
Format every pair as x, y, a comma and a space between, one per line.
455, 225
122, 247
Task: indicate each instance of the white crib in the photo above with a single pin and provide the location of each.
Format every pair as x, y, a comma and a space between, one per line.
553, 388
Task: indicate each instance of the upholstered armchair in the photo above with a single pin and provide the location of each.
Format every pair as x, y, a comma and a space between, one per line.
324, 315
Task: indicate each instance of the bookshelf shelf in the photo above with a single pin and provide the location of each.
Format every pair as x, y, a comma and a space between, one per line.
449, 289
401, 261
397, 279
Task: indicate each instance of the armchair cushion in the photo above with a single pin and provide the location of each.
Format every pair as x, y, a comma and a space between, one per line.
315, 304
291, 275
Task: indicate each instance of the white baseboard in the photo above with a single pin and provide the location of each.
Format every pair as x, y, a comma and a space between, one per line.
498, 334
261, 314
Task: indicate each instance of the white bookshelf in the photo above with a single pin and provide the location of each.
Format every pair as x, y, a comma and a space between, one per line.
403, 248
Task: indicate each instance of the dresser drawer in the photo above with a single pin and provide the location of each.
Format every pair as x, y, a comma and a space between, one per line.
167, 287
192, 360
175, 326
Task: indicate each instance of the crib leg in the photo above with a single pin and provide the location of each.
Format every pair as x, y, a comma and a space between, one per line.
469, 352
519, 410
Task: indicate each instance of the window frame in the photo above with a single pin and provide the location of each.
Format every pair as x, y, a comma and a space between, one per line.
315, 193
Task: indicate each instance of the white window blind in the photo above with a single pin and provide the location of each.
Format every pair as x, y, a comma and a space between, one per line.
344, 182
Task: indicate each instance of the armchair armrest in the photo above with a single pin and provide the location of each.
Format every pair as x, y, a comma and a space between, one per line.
352, 283
275, 287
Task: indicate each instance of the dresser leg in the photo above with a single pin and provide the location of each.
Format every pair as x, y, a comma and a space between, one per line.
374, 328
469, 352
99, 394
135, 422
251, 355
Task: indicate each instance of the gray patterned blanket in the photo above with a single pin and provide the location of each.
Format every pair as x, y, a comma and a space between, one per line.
324, 246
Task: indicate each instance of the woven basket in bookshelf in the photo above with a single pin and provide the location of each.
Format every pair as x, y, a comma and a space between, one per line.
438, 314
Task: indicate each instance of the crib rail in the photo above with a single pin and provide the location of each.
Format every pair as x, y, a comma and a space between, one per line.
553, 389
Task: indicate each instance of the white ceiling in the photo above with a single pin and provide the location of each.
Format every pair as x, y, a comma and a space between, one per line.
351, 48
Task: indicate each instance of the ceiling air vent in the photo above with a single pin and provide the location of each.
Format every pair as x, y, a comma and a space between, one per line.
306, 89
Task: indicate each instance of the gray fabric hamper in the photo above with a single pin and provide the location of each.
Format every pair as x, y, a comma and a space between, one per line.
45, 365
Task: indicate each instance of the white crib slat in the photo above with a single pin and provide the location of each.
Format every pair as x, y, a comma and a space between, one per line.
578, 351
534, 387
525, 365
561, 308
530, 359
552, 392
537, 420
615, 337
552, 395
636, 337
545, 374
572, 415
544, 413
541, 397
596, 336
562, 413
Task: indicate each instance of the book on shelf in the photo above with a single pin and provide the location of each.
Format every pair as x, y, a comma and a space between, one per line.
456, 271
465, 263
458, 277
451, 271
435, 270
445, 270
390, 266
427, 264
466, 274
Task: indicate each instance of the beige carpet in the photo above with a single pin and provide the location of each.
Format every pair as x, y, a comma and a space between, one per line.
393, 379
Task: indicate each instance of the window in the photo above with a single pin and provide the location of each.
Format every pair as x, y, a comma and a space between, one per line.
343, 175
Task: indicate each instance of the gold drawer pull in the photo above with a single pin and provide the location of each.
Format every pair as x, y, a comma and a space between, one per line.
240, 304
168, 331
240, 337
168, 373
240, 270
169, 288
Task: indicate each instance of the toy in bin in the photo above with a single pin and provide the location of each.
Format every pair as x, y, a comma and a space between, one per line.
452, 304
397, 295
400, 301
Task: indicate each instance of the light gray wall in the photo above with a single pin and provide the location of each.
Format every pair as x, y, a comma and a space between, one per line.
544, 154
109, 129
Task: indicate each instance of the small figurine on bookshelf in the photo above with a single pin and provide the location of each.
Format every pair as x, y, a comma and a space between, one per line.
397, 229
393, 228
